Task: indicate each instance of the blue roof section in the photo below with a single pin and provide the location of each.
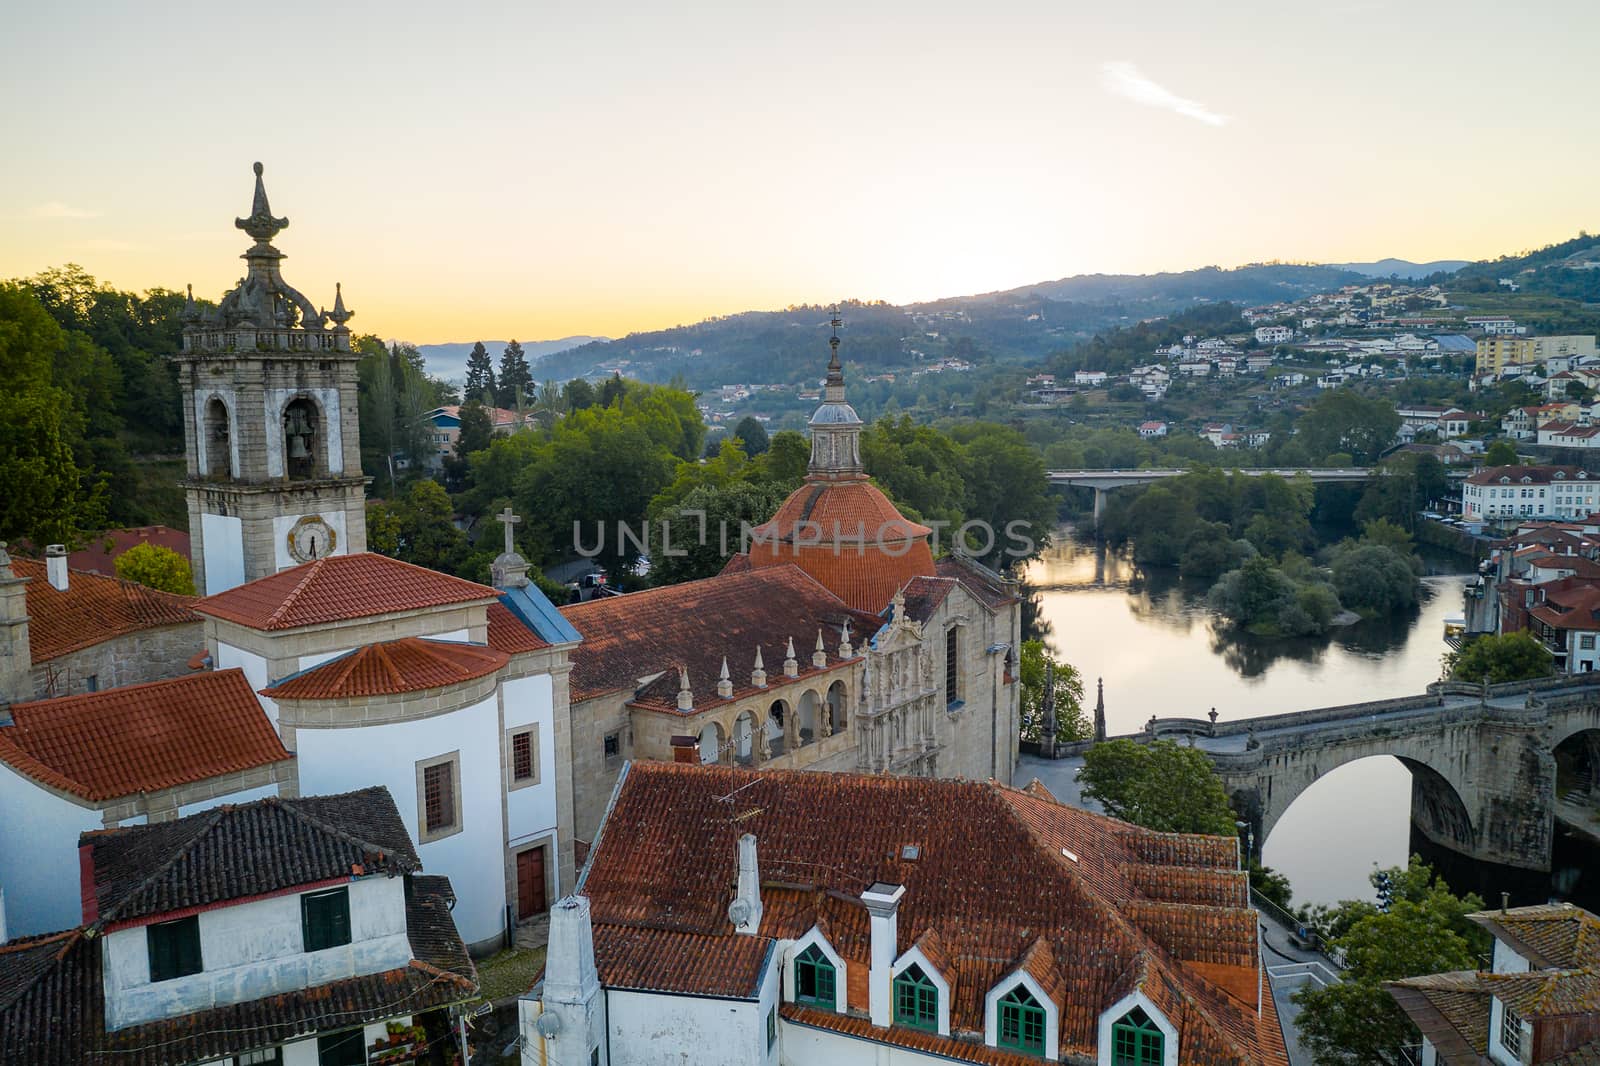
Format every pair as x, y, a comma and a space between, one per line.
534, 610
1455, 342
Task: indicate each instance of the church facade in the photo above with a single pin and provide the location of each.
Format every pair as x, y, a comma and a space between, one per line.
498, 724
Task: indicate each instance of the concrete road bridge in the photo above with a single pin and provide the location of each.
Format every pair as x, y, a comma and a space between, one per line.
1482, 759
1103, 481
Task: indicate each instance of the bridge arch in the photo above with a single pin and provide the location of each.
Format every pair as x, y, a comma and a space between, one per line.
1577, 758
1437, 805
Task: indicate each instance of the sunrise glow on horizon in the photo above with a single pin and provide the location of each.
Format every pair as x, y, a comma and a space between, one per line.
552, 169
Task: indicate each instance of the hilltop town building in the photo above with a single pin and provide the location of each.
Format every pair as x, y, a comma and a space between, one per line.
1508, 493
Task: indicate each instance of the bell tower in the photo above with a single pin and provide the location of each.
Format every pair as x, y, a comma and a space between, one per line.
270, 422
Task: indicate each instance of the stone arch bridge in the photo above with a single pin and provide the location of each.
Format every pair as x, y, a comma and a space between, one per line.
1482, 759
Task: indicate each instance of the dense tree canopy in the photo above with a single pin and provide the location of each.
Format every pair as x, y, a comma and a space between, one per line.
1498, 658
1161, 785
514, 386
1072, 721
156, 567
1345, 422
480, 386
1419, 927
752, 434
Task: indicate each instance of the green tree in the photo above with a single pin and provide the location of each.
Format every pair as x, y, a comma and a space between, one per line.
1072, 723
753, 434
577, 394
477, 429
395, 397
480, 387
785, 461
1498, 658
611, 391
419, 528
1424, 929
1160, 785
46, 495
728, 509
156, 567
516, 377
1006, 491
1344, 421
919, 467
1374, 579
1501, 453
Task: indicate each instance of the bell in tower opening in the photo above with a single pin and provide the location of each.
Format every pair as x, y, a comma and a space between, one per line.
300, 440
270, 420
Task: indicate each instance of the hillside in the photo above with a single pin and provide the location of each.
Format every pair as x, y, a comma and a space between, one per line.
1404, 268
1019, 325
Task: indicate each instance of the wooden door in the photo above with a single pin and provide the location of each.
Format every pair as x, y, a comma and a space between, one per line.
530, 883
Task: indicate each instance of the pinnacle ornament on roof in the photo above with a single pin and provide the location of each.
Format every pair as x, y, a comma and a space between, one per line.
685, 694
260, 224
758, 676
339, 315
724, 683
819, 658
791, 665
845, 648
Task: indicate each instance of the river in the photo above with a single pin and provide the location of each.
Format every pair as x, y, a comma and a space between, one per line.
1159, 651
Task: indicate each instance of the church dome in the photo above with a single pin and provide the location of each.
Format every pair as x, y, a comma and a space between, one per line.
839, 527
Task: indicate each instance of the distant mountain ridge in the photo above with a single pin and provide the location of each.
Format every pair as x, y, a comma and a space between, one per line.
1403, 268
449, 361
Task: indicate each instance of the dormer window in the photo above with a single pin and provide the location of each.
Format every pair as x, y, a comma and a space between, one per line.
916, 1000
815, 979
1137, 1041
1022, 1022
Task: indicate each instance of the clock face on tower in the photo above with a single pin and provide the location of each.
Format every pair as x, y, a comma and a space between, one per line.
311, 538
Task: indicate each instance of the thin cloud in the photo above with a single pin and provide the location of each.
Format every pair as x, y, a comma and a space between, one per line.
1125, 79
57, 209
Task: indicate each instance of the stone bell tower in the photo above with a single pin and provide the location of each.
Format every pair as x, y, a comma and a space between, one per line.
270, 423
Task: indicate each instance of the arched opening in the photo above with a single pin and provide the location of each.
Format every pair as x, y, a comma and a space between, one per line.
806, 711
1353, 818
838, 713
777, 726
1578, 768
218, 449
744, 736
711, 743
303, 440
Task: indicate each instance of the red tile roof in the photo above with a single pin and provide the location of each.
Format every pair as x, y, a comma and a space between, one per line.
407, 665
508, 634
140, 738
338, 588
695, 624
99, 556
92, 609
850, 537
998, 872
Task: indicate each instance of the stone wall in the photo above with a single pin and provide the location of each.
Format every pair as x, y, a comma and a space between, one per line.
147, 655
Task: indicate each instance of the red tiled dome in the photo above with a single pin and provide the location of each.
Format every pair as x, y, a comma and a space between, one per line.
849, 537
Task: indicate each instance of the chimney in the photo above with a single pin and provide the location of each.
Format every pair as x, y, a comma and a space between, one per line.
745, 910
55, 563
570, 1019
16, 654
883, 903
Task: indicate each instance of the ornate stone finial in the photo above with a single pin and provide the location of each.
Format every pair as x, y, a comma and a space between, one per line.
791, 665
834, 369
819, 658
724, 683
845, 648
339, 314
898, 602
685, 694
1100, 710
190, 313
261, 225
5, 561
758, 676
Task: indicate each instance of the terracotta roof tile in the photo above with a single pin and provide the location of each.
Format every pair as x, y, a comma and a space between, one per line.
695, 624
410, 664
338, 588
99, 556
1550, 934
850, 537
650, 960
231, 852
990, 890
979, 580
140, 738
508, 634
55, 1015
92, 609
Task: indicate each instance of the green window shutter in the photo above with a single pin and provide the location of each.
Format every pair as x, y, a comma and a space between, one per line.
174, 948
325, 919
815, 979
1136, 1041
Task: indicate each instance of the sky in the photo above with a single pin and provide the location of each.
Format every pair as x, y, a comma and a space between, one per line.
538, 170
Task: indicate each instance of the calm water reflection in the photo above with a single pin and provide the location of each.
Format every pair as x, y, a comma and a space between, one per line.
1161, 653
